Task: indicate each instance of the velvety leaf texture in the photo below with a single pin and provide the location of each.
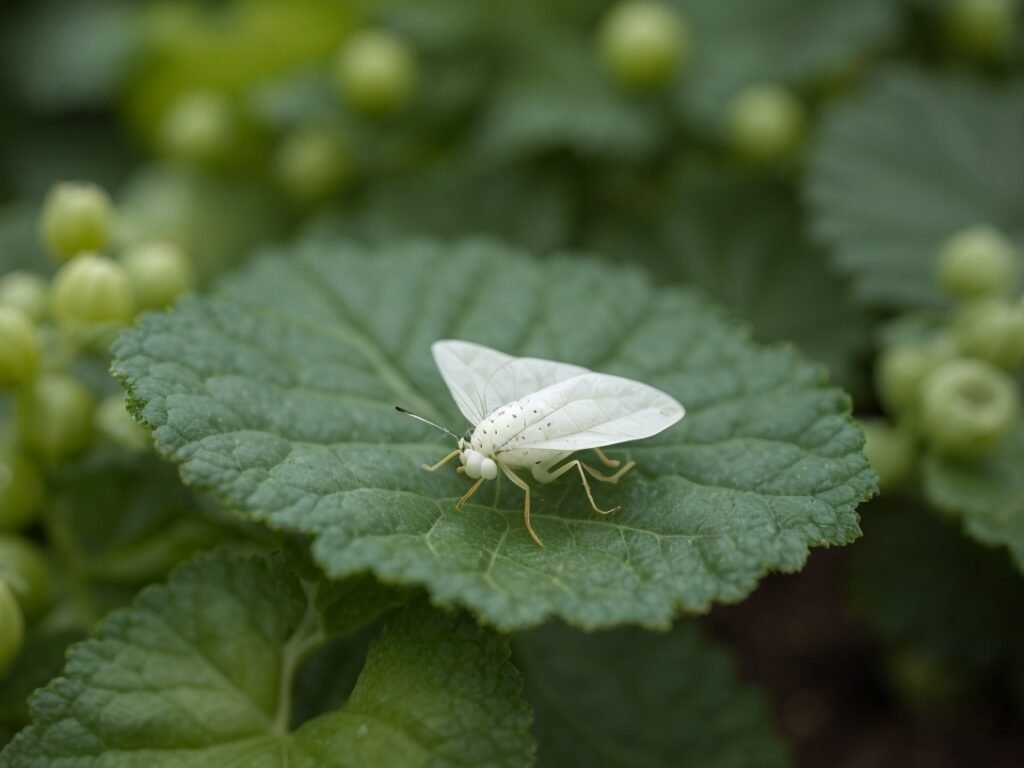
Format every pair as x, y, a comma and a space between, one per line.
905, 164
642, 699
988, 493
278, 395
199, 673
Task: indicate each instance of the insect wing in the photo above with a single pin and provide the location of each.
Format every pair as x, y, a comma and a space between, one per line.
594, 410
482, 379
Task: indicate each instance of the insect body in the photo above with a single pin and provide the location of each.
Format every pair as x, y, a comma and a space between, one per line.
533, 414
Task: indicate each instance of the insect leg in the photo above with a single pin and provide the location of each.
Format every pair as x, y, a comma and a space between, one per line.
442, 462
608, 478
465, 497
605, 460
526, 506
546, 476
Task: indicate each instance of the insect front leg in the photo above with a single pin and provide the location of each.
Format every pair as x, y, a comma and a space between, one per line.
465, 497
442, 462
526, 506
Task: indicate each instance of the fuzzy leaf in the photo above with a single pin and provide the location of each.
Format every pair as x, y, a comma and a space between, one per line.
278, 395
888, 195
642, 699
988, 493
200, 672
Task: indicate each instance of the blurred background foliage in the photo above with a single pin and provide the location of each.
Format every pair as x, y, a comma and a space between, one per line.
801, 161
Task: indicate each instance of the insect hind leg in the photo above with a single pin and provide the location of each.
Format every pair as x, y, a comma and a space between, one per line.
546, 476
605, 459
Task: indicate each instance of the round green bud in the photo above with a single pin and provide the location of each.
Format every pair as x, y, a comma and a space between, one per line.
644, 43
55, 417
376, 72
76, 217
977, 262
967, 406
24, 568
117, 425
200, 127
981, 28
159, 272
765, 123
21, 491
311, 164
900, 369
12, 628
19, 348
992, 329
891, 451
90, 291
26, 291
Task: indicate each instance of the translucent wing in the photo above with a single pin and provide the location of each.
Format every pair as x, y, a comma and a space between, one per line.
482, 379
594, 410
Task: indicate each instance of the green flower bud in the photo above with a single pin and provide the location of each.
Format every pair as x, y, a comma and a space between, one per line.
993, 330
765, 124
376, 72
24, 568
91, 291
981, 28
21, 491
159, 272
891, 451
967, 406
12, 628
117, 425
977, 262
900, 369
55, 417
76, 217
311, 164
26, 291
200, 127
643, 43
19, 348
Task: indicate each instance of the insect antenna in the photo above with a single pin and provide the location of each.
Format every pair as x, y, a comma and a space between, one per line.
400, 409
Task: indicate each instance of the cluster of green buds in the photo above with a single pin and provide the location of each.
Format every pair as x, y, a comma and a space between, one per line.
955, 390
46, 325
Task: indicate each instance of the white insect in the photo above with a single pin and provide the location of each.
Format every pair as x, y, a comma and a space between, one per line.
532, 414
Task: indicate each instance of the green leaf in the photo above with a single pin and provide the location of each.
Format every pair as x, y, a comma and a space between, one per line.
742, 241
70, 55
278, 394
742, 42
563, 99
922, 586
514, 204
200, 672
642, 699
40, 661
887, 197
988, 493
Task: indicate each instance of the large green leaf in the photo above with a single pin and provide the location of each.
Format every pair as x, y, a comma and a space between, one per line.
199, 672
907, 163
987, 492
278, 395
742, 240
742, 42
642, 699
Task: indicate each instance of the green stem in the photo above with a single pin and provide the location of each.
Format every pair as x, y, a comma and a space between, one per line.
307, 636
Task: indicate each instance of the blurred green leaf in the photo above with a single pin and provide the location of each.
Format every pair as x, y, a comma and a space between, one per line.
742, 42
742, 241
987, 492
642, 699
922, 586
905, 164
221, 641
278, 394
69, 54
40, 661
